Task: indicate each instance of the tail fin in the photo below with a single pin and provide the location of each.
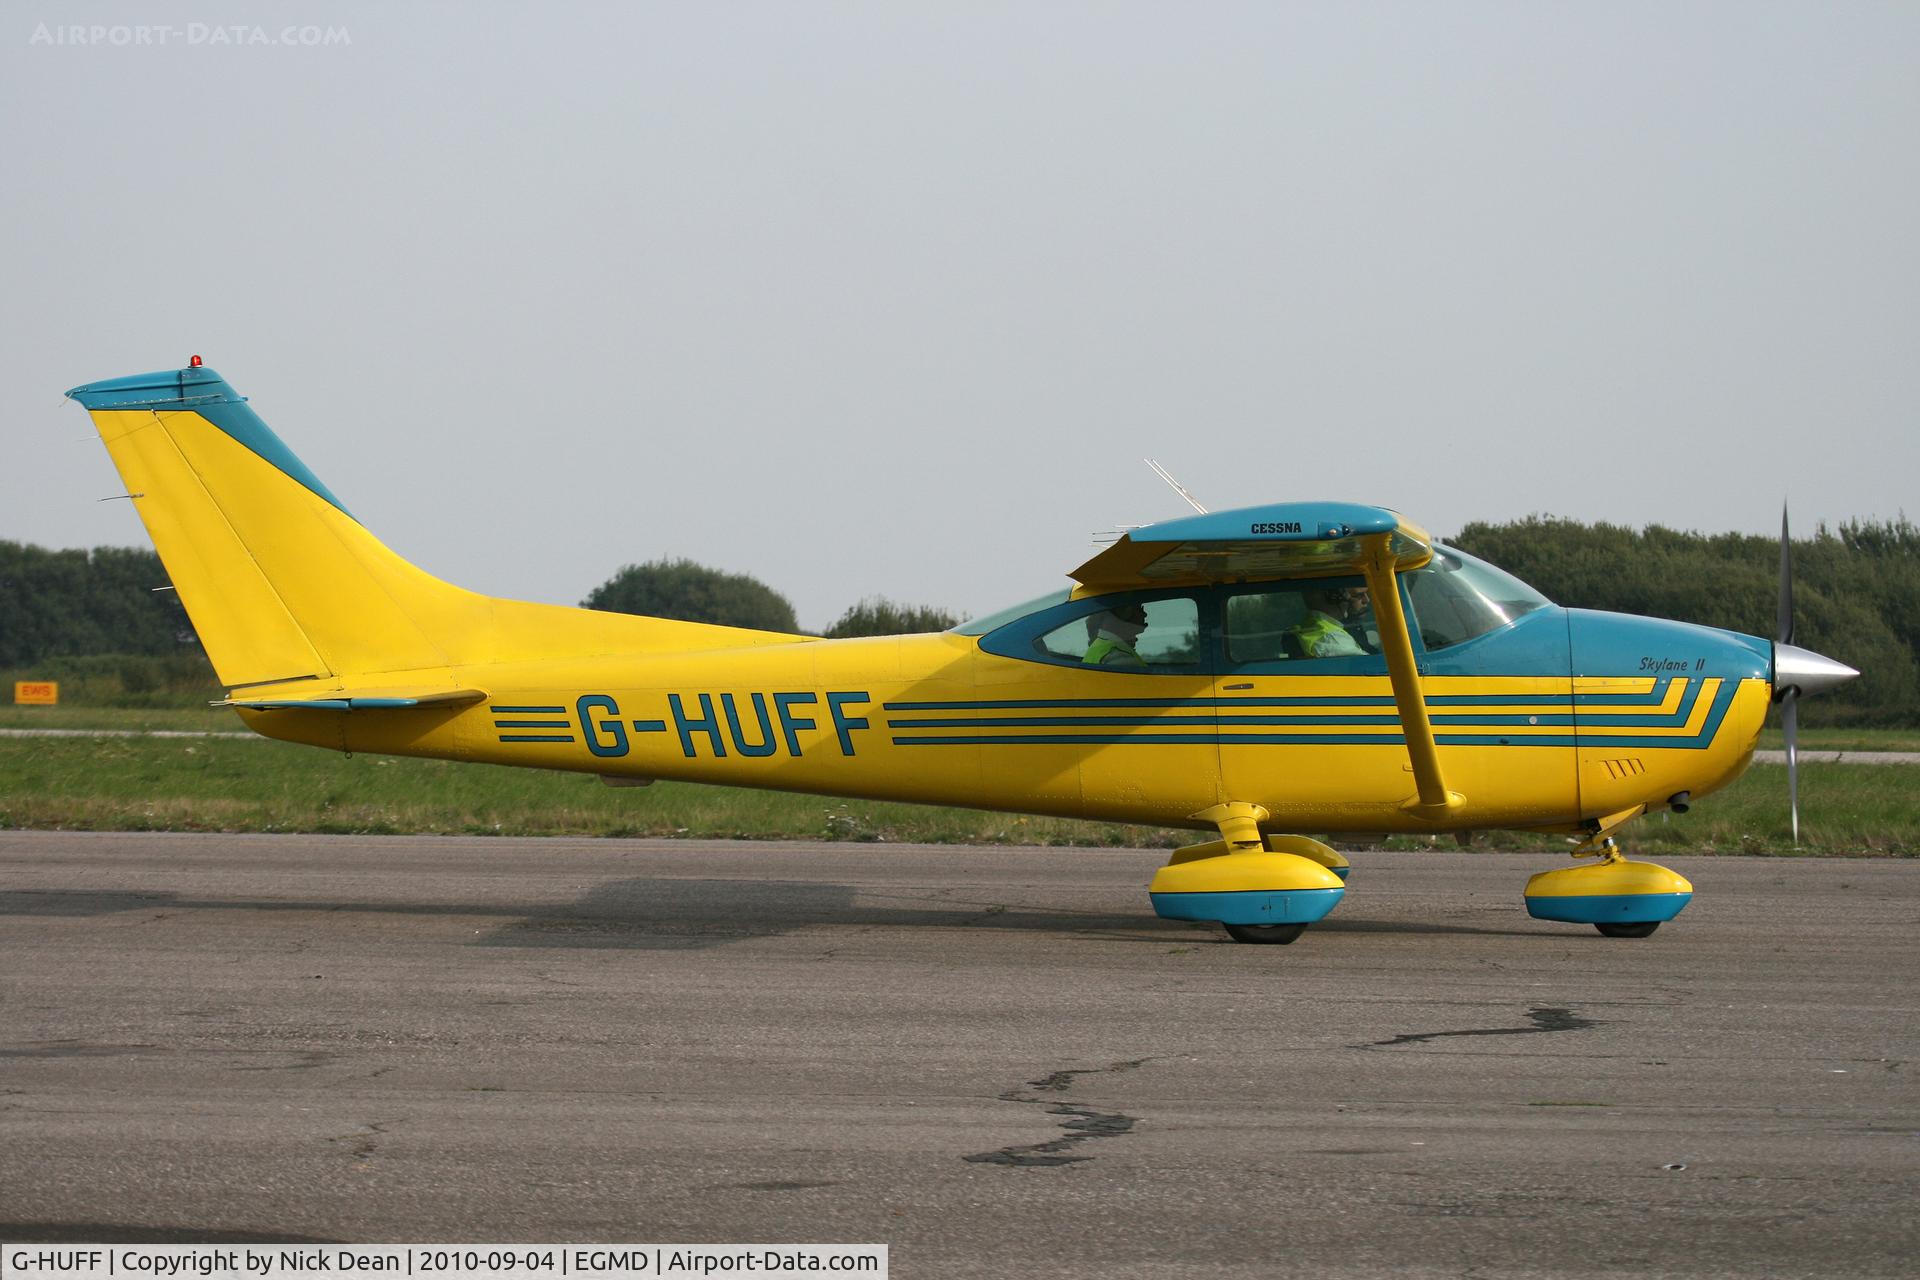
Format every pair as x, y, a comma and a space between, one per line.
282, 583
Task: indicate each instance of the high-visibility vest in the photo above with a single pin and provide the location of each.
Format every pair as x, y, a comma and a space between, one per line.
1318, 627
1105, 647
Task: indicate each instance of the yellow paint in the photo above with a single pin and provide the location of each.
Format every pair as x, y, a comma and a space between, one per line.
294, 599
1239, 823
1613, 876
36, 693
1431, 798
1242, 872
1310, 849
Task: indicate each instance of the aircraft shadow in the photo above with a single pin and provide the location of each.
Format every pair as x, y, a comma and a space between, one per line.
686, 914
638, 914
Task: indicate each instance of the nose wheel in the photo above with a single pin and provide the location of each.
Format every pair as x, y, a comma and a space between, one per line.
1277, 934
1620, 898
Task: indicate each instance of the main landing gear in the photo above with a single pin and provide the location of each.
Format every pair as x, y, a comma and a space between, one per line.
1264, 889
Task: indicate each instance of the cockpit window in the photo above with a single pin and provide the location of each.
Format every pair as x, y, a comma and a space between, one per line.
1456, 597
981, 625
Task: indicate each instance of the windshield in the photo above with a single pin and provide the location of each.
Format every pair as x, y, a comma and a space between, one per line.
1456, 597
981, 625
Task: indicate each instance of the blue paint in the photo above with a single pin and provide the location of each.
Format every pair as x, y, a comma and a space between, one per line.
326, 704
1630, 730
616, 744
527, 711
1617, 644
649, 726
843, 723
706, 724
1657, 696
1021, 704
1068, 722
533, 724
783, 704
1160, 739
1258, 906
765, 747
166, 388
1275, 522
1534, 644
533, 737
1609, 908
206, 393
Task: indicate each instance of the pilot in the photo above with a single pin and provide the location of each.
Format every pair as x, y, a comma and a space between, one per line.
1323, 633
1112, 634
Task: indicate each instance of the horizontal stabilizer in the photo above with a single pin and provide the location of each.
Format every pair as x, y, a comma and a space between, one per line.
367, 700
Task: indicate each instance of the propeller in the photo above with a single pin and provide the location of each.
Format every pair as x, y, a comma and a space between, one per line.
1789, 697
1796, 671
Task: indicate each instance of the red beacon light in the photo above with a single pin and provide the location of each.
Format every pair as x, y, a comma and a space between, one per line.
194, 363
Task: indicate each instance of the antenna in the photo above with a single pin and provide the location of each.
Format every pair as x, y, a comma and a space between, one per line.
1178, 488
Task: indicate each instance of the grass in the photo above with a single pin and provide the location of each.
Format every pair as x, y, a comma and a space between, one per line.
221, 784
1845, 740
200, 719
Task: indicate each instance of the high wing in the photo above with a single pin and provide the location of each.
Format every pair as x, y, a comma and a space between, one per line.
1280, 540
1298, 540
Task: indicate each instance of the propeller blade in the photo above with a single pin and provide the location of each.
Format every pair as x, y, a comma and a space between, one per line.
1783, 632
1790, 722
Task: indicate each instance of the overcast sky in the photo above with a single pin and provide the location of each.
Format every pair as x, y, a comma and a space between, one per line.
894, 298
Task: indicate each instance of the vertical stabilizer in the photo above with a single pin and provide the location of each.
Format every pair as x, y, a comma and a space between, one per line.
282, 583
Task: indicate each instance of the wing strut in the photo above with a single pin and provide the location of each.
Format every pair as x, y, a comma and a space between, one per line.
1432, 800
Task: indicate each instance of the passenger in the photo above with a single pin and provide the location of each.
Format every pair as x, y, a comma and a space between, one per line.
1323, 633
1112, 635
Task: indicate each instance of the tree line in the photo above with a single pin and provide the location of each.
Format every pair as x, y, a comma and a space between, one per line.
1856, 594
63, 604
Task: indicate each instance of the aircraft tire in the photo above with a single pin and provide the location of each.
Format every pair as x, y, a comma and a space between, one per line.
1641, 930
1277, 934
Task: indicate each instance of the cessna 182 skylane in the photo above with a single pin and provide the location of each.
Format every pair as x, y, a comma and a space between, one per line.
1466, 700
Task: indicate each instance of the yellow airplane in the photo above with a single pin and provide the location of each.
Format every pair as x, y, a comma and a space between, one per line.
1309, 666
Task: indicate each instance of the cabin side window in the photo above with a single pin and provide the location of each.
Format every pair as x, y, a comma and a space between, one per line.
1153, 636
1297, 621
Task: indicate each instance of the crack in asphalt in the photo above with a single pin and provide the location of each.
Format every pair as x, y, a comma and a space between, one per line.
1544, 1018
1081, 1123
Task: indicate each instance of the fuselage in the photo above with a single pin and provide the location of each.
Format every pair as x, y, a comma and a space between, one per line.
1548, 719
